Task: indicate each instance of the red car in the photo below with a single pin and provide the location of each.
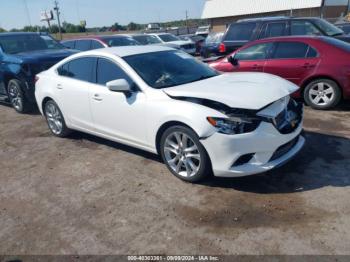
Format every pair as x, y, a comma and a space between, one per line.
319, 65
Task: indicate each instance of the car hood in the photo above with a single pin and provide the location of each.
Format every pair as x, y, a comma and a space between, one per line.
237, 90
180, 42
45, 55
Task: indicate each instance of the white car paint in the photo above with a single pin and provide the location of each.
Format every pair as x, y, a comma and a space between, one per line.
177, 44
136, 120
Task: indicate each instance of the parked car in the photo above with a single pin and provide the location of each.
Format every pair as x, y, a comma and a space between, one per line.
146, 39
101, 41
22, 56
197, 39
345, 27
244, 31
175, 42
166, 102
211, 46
203, 31
319, 65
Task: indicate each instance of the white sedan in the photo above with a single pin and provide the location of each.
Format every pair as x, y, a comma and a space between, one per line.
164, 101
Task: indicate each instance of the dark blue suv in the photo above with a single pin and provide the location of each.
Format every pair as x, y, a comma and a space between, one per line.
22, 56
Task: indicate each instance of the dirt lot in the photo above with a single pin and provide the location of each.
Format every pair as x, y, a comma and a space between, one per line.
87, 195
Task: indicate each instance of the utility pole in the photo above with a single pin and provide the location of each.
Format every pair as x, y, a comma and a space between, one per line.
57, 9
322, 8
188, 30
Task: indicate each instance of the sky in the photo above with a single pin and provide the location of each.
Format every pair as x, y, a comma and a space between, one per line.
18, 13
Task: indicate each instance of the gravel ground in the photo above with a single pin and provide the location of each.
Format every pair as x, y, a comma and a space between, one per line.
86, 195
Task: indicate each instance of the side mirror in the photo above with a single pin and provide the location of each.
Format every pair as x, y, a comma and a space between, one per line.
233, 60
119, 85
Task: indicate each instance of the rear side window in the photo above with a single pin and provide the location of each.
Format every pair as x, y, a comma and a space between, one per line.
80, 69
96, 44
311, 53
240, 32
83, 45
286, 50
109, 71
69, 44
274, 29
255, 52
304, 28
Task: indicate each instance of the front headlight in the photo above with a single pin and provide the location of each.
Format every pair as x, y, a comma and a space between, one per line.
234, 125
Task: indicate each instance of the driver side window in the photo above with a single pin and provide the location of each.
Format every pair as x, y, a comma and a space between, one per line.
255, 52
108, 71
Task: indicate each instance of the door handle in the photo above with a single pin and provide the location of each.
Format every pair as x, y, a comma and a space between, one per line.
59, 86
257, 67
97, 97
308, 66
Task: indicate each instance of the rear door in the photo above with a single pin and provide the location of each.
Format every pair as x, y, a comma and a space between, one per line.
73, 87
293, 61
274, 29
238, 34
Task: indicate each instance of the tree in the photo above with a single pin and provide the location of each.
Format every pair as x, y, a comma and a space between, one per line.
2, 30
133, 26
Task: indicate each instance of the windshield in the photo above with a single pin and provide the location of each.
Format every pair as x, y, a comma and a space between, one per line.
147, 39
328, 28
214, 38
169, 68
119, 41
14, 44
168, 38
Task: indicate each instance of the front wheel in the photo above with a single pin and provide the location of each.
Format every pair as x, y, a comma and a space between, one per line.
184, 155
55, 119
322, 94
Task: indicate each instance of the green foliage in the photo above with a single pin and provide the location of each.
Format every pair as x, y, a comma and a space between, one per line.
71, 28
2, 30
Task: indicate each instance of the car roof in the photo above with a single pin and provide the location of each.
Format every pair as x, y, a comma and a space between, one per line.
123, 51
274, 18
96, 37
21, 33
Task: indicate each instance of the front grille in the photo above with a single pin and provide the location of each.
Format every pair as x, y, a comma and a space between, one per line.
289, 119
284, 149
188, 46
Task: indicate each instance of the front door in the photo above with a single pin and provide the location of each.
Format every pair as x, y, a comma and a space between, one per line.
252, 58
115, 114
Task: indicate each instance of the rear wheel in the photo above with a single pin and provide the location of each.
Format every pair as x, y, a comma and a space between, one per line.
322, 94
17, 97
184, 155
55, 119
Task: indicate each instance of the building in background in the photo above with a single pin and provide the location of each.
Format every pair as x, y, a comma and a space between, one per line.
220, 13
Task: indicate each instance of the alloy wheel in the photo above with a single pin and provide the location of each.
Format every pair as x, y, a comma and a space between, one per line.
15, 96
54, 118
321, 94
182, 154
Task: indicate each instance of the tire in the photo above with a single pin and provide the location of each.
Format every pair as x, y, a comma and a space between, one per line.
322, 94
191, 165
55, 119
17, 98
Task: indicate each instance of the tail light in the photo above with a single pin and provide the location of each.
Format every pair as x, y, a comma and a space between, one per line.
36, 78
222, 48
